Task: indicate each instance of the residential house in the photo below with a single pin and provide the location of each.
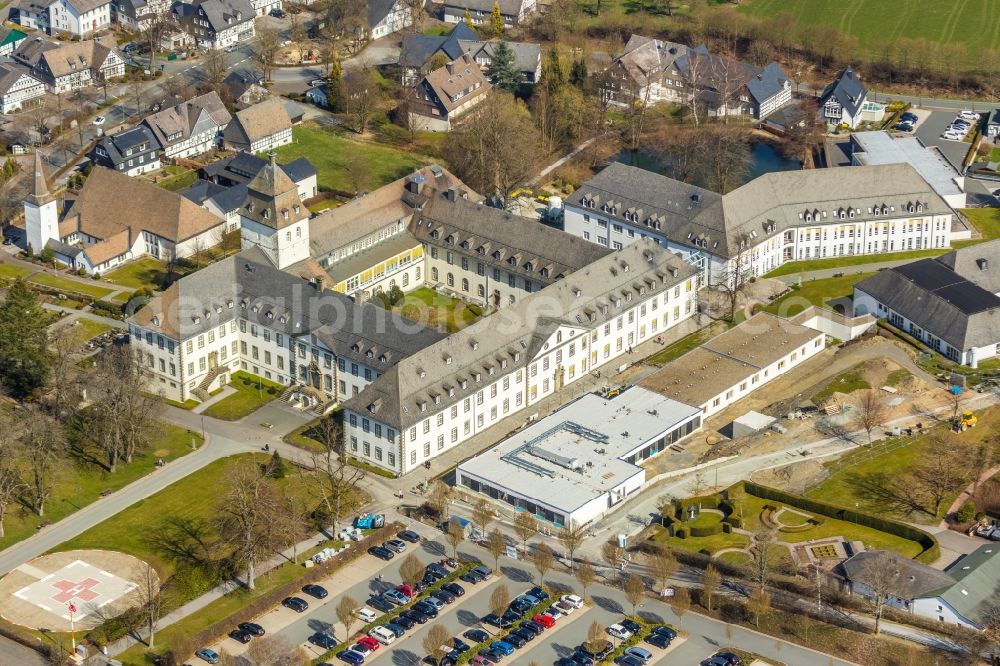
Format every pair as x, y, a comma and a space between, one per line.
225, 202
139, 15
963, 594
949, 303
318, 96
264, 7
993, 124
418, 51
647, 70
388, 16
845, 102
446, 93
773, 219
190, 128
216, 24
724, 86
67, 66
17, 87
116, 219
78, 18
513, 12
9, 39
131, 152
243, 167
259, 127
244, 88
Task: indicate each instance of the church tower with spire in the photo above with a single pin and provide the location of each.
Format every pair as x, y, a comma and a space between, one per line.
274, 218
41, 216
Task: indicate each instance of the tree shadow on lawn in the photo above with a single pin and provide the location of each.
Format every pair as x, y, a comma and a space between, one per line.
878, 489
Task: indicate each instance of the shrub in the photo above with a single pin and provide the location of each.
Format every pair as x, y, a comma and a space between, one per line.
966, 513
107, 309
735, 521
707, 530
680, 532
727, 528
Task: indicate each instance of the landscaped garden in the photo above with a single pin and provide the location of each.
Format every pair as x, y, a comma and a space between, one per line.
815, 292
252, 393
437, 310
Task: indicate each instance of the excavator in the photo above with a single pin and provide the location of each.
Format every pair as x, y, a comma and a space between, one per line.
964, 421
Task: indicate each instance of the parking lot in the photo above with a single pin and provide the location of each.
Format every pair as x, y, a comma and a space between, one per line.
929, 132
360, 581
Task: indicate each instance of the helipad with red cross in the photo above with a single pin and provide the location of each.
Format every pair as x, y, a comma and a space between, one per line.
82, 587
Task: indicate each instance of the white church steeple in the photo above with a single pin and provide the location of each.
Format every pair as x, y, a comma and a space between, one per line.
41, 216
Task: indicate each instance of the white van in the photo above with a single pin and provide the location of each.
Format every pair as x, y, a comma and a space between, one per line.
382, 635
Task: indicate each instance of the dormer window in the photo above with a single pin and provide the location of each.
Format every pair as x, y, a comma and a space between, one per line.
512, 261
370, 354
435, 234
447, 360
545, 272
464, 383
422, 406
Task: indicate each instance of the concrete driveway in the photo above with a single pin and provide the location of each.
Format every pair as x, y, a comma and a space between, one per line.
929, 132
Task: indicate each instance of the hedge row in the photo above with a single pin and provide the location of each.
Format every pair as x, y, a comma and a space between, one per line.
930, 553
266, 602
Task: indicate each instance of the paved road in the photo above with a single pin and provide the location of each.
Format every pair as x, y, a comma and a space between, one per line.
610, 605
13, 653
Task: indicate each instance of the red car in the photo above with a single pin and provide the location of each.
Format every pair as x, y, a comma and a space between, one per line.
407, 590
369, 643
546, 621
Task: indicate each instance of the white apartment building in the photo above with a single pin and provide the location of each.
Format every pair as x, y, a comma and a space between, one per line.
79, 18
439, 397
774, 219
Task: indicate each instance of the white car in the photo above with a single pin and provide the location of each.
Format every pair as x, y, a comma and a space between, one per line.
367, 615
620, 632
316, 83
382, 635
231, 48
967, 113
99, 120
554, 612
572, 600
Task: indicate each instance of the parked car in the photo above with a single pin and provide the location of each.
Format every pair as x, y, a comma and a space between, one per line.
521, 605
495, 620
582, 658
544, 620
912, 117
405, 622
437, 569
619, 632
632, 626
396, 628
730, 658
472, 576
503, 647
628, 660
714, 661
483, 571
314, 590
208, 654
460, 646
454, 589
538, 593
416, 616
642, 654
511, 617
383, 635
444, 595
99, 120
553, 612
381, 553
252, 628
361, 649
395, 545
566, 661
665, 631
409, 535
480, 660
426, 608
323, 640
241, 636
492, 655
317, 83
407, 590
277, 13
515, 640
602, 653
572, 600
231, 48
369, 642
379, 602
534, 627
434, 601
351, 657
367, 615
968, 113
297, 604
524, 634
901, 127
661, 641
476, 635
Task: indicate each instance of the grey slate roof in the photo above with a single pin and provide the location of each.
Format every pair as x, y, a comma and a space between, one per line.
979, 264
116, 145
418, 49
767, 83
940, 301
378, 10
503, 240
847, 89
780, 199
220, 14
913, 581
247, 285
182, 120
11, 73
526, 56
243, 167
977, 583
435, 375
645, 58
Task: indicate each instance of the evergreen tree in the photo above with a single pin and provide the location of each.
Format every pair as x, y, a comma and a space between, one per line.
578, 73
552, 74
335, 96
504, 71
468, 20
496, 20
24, 350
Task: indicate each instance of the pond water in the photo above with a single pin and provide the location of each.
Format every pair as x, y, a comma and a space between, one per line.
764, 158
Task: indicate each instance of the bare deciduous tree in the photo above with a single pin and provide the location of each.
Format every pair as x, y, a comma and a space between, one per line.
758, 603
438, 498
248, 517
213, 68
276, 650
482, 516
65, 345
543, 560
570, 537
41, 450
595, 637
881, 577
497, 546
525, 526
11, 483
585, 575
437, 642
364, 95
411, 570
635, 590
760, 555
612, 554
455, 536
500, 599
870, 412
942, 476
268, 43
335, 481
681, 603
346, 612
710, 582
662, 564
150, 599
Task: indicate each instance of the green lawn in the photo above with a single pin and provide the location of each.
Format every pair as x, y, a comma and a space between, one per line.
80, 483
808, 265
347, 165
74, 286
876, 23
847, 382
90, 328
985, 220
684, 345
815, 292
13, 272
252, 393
434, 309
146, 273
864, 476
177, 179
709, 543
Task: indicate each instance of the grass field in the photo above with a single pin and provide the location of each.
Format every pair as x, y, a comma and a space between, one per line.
976, 25
80, 483
252, 393
815, 292
89, 328
433, 309
73, 286
985, 220
347, 165
146, 273
13, 272
709, 543
807, 265
863, 477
